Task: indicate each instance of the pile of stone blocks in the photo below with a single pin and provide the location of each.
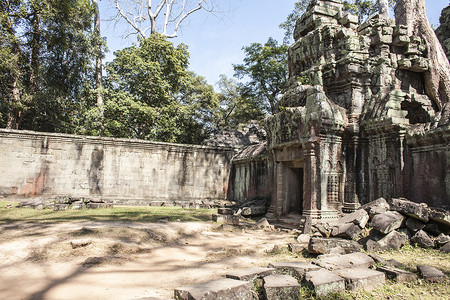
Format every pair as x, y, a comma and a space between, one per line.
68, 202
379, 226
195, 204
232, 213
64, 203
324, 275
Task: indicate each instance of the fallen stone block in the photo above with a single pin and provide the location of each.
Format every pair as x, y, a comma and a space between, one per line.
36, 203
389, 263
359, 217
373, 211
361, 278
347, 231
304, 238
351, 260
324, 282
336, 251
412, 209
227, 219
396, 274
251, 273
77, 205
392, 241
442, 239
414, 225
98, 205
80, 243
445, 248
321, 245
62, 200
431, 274
253, 211
218, 289
94, 200
435, 228
281, 287
296, 269
380, 202
59, 207
225, 211
262, 223
387, 222
441, 216
323, 228
422, 239
297, 247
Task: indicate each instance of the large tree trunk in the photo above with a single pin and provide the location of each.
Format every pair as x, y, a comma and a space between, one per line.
35, 51
15, 114
98, 72
412, 13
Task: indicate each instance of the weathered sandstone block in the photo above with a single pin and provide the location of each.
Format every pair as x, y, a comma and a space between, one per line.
387, 222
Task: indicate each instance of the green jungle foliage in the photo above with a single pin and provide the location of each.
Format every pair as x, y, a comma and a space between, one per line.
267, 68
46, 49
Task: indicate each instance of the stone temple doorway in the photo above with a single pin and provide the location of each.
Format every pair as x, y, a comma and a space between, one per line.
293, 194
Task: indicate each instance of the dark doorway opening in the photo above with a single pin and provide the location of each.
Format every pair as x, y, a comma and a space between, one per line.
294, 192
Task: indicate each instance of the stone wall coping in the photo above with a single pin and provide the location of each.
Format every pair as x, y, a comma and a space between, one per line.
63, 137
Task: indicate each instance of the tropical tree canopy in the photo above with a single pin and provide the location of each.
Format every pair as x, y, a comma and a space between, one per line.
47, 47
266, 66
152, 95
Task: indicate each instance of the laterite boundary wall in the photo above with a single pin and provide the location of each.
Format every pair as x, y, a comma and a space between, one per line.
121, 171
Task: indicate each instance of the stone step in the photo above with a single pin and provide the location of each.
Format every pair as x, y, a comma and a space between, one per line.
324, 282
250, 273
351, 260
320, 245
431, 274
225, 288
361, 278
281, 287
397, 274
293, 268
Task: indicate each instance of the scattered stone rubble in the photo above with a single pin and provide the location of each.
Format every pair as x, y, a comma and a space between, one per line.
327, 274
380, 225
64, 203
233, 212
340, 264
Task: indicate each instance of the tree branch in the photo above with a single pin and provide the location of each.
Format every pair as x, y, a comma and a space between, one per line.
133, 24
177, 26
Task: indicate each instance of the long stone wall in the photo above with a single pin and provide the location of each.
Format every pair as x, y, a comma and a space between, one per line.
116, 170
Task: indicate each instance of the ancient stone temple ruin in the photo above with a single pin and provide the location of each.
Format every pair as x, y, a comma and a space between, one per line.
355, 123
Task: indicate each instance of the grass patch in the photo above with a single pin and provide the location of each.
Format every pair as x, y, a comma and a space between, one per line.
146, 214
412, 256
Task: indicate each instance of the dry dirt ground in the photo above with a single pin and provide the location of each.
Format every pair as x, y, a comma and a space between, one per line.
125, 260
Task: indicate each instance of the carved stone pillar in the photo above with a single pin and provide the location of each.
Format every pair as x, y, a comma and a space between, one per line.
280, 177
310, 181
351, 202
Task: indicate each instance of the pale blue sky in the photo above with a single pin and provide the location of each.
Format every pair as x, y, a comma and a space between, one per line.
215, 43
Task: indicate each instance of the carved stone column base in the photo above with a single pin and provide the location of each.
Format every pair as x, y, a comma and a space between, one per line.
318, 216
350, 207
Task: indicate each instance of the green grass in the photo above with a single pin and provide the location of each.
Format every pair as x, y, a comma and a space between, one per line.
125, 214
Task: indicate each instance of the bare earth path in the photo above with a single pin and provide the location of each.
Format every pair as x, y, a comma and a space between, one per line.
125, 260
